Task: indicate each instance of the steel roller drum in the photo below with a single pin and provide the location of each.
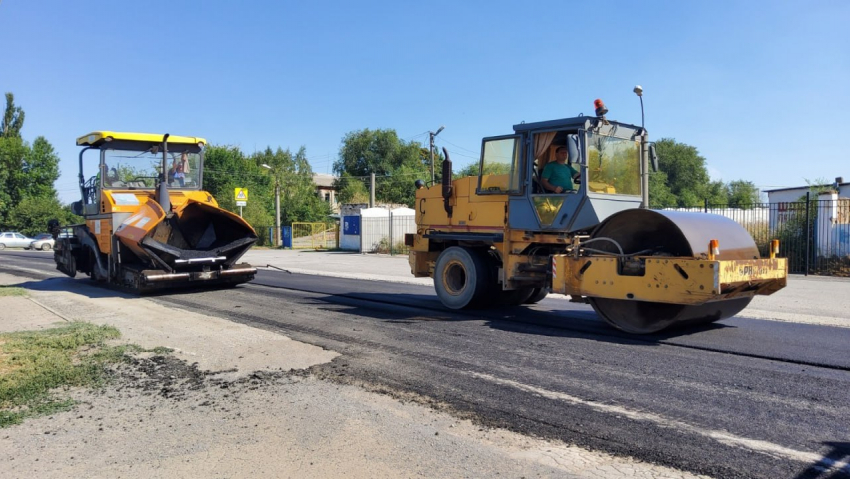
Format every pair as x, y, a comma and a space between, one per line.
675, 233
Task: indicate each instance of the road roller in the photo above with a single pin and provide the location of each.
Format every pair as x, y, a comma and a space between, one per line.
149, 224
511, 235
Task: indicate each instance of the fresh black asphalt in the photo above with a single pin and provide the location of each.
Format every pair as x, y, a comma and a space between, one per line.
556, 371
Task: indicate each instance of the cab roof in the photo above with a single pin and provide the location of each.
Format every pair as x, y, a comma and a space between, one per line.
565, 123
97, 138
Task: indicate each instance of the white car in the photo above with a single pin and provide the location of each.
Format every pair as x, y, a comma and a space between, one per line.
13, 239
43, 241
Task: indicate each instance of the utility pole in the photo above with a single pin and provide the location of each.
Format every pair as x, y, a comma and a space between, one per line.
278, 241
277, 211
432, 135
371, 190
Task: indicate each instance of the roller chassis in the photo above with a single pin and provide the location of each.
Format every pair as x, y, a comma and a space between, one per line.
496, 239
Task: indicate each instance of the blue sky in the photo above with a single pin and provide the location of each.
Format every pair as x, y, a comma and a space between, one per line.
760, 88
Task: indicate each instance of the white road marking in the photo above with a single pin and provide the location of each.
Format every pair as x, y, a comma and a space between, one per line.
764, 447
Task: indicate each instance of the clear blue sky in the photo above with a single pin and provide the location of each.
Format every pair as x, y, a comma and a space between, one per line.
760, 88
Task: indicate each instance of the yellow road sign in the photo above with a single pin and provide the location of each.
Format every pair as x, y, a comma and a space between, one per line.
240, 194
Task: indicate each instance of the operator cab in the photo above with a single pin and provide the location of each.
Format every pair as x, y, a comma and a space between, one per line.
133, 161
606, 166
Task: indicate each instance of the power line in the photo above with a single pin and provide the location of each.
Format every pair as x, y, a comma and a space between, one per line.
458, 146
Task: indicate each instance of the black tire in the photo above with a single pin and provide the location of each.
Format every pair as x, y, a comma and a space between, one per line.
514, 297
537, 295
45, 247
2, 246
461, 277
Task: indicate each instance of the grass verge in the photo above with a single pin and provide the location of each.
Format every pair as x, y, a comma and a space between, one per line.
12, 291
34, 363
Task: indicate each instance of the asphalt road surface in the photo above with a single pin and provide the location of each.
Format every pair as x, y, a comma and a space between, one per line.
739, 398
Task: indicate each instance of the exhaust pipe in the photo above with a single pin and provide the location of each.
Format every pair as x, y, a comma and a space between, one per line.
162, 195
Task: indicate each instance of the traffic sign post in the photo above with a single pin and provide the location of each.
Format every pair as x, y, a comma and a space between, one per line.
241, 197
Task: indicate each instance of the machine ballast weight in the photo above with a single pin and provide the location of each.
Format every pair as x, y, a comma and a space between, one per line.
149, 224
501, 238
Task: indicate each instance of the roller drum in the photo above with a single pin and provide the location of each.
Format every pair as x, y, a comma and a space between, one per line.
676, 234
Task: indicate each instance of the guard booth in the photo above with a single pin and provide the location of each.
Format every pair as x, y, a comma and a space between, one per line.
375, 230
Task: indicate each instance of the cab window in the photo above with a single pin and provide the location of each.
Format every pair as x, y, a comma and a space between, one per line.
499, 170
613, 165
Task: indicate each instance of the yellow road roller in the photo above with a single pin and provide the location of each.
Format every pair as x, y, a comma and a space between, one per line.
562, 206
149, 225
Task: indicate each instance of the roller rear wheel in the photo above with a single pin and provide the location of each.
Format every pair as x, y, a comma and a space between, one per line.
461, 277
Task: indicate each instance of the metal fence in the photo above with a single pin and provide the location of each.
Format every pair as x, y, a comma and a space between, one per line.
314, 236
301, 236
385, 234
813, 234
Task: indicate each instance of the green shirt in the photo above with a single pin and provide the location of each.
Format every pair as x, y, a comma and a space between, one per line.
560, 175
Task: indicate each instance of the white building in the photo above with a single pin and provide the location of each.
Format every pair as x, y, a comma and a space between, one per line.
790, 195
830, 208
370, 230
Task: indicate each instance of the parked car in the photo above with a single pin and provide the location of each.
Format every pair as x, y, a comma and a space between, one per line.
13, 239
43, 241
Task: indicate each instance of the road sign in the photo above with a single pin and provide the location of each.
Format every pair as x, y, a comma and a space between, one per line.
240, 195
241, 203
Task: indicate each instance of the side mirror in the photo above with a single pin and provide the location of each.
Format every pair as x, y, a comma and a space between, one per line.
653, 157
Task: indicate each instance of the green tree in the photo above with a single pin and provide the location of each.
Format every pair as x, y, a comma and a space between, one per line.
660, 195
742, 194
395, 163
13, 150
26, 172
13, 119
41, 169
687, 177
471, 169
351, 190
30, 215
298, 198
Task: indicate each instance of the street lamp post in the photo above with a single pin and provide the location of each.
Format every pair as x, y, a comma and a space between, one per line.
432, 135
277, 238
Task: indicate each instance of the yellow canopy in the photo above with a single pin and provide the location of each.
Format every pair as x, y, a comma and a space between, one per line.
96, 138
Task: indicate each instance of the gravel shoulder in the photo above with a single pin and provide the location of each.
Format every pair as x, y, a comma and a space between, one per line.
236, 401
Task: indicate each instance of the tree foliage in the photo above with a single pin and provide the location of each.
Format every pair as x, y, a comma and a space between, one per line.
298, 198
227, 168
30, 215
742, 194
660, 195
13, 119
687, 177
471, 169
395, 163
683, 181
351, 190
27, 174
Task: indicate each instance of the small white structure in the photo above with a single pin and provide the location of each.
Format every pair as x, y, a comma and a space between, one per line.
832, 229
375, 227
350, 226
382, 228
374, 230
